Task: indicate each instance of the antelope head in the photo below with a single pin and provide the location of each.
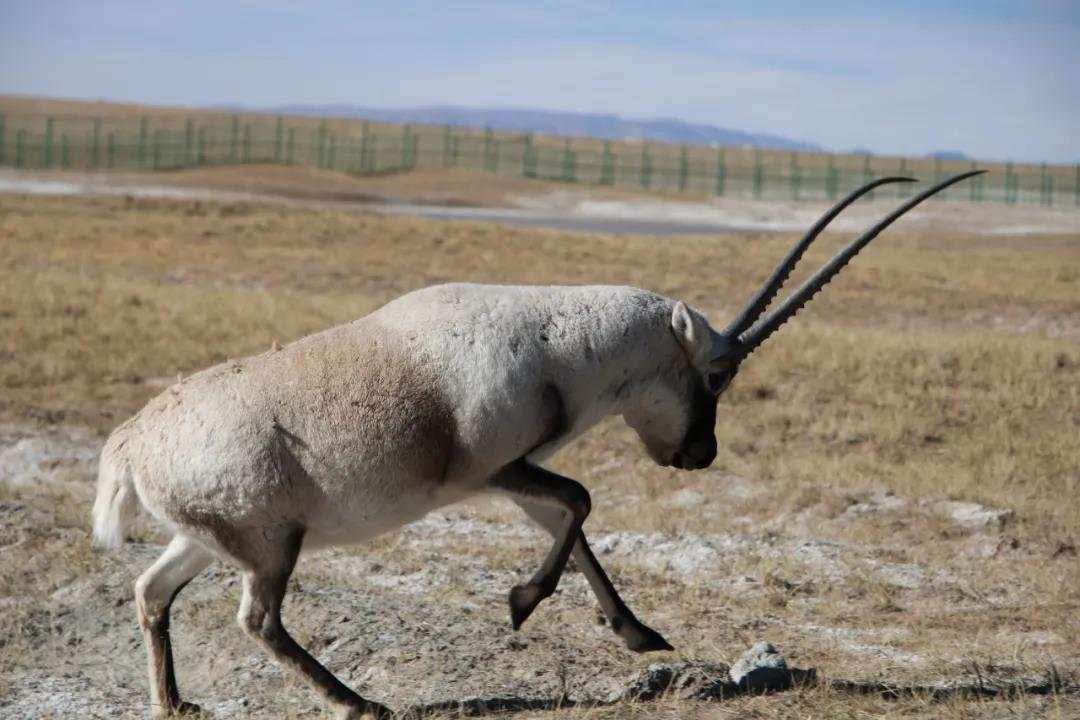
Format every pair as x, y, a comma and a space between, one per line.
714, 357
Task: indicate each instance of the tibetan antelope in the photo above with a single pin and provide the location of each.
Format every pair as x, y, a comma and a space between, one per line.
444, 393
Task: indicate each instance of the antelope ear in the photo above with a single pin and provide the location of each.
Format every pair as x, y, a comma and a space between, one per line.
682, 324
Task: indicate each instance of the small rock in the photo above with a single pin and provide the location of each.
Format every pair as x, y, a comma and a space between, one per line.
762, 668
762, 656
684, 680
877, 503
974, 515
988, 546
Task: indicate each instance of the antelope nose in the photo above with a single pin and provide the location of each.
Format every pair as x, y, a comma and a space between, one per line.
700, 453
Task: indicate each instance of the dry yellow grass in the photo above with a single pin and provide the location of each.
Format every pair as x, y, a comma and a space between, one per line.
935, 368
926, 366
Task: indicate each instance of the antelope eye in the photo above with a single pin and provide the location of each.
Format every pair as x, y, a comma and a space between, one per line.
716, 382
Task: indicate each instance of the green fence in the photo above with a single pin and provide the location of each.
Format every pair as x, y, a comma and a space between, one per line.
160, 143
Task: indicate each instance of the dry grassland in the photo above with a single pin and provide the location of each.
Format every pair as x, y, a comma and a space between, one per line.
937, 369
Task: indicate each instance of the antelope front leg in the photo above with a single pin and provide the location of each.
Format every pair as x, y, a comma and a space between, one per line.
637, 636
527, 483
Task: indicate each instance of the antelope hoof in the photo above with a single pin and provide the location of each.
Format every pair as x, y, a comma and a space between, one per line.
367, 710
184, 709
641, 638
523, 600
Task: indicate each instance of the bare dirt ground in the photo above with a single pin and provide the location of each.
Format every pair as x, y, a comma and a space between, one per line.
463, 193
895, 503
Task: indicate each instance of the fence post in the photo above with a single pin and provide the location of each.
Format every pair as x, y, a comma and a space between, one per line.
1008, 183
867, 174
528, 159
1049, 191
234, 139
759, 174
20, 148
646, 166
360, 145
373, 154
488, 140
568, 162
607, 165
48, 147
320, 145
200, 146
189, 141
94, 161
831, 180
495, 157
796, 176
365, 141
331, 152
290, 145
365, 149
944, 194
901, 172
684, 168
279, 138
721, 172
496, 145
110, 150
144, 130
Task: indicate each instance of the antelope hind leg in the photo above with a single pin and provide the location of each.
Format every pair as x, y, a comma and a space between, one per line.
264, 586
155, 591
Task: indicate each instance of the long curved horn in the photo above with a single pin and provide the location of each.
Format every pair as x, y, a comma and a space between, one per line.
765, 294
756, 335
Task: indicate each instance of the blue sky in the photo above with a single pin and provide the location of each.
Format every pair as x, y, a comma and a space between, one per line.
1000, 80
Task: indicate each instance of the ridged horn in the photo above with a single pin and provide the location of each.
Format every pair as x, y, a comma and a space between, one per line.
765, 294
751, 339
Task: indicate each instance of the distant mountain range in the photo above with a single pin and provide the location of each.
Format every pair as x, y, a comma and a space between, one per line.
948, 155
604, 127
